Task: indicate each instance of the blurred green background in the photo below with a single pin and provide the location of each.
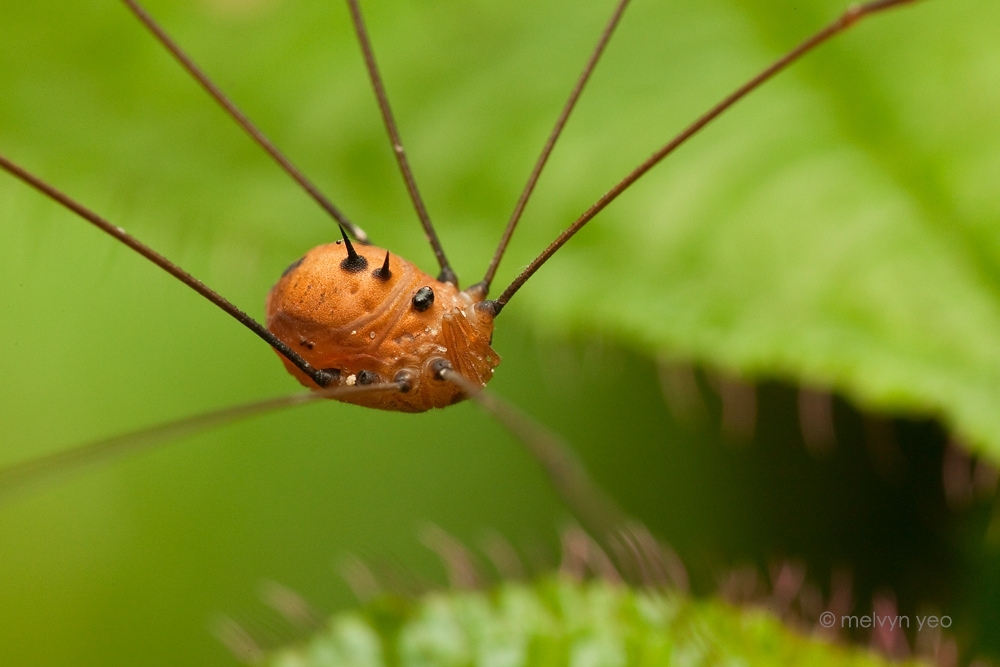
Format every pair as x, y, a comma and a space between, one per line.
837, 230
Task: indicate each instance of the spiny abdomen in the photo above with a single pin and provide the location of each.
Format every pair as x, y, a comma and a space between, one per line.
371, 317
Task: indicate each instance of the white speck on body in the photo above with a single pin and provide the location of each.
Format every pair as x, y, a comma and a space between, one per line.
351, 380
353, 332
372, 335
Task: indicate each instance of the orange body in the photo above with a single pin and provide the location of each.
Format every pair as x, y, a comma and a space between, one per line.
352, 317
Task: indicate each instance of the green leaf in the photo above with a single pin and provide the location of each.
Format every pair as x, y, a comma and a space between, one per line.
841, 229
559, 622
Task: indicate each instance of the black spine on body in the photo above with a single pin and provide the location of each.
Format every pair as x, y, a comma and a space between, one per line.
383, 273
354, 261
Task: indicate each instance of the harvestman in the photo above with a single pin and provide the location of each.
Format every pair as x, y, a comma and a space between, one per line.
360, 325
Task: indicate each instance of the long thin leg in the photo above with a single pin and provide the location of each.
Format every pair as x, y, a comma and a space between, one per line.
628, 542
447, 274
550, 143
27, 473
321, 378
595, 510
846, 20
243, 121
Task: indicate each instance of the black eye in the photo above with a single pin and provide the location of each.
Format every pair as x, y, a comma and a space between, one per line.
423, 299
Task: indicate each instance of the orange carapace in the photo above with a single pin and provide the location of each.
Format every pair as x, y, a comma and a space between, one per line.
368, 317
